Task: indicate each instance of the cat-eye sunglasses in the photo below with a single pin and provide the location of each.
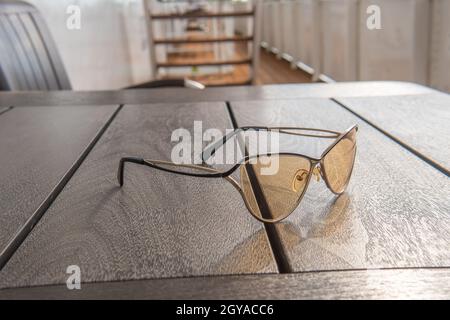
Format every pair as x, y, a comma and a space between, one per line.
273, 197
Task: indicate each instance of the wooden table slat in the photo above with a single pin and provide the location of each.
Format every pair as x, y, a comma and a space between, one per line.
395, 213
38, 146
158, 225
371, 284
422, 122
241, 93
4, 109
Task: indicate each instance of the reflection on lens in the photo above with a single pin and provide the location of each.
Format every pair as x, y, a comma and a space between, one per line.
338, 163
273, 197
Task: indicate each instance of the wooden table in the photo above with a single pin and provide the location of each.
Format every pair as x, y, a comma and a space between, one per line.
167, 236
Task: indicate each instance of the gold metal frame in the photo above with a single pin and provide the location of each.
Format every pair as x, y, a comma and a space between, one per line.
316, 164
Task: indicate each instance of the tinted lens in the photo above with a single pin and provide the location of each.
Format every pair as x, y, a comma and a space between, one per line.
338, 163
273, 194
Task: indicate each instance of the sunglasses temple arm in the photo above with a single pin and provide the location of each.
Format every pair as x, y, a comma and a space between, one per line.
325, 134
209, 151
122, 166
209, 172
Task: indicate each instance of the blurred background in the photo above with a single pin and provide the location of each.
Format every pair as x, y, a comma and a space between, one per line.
111, 44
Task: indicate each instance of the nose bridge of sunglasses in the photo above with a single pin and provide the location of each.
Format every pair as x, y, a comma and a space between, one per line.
317, 173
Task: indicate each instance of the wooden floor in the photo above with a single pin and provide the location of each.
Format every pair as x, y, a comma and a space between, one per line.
273, 70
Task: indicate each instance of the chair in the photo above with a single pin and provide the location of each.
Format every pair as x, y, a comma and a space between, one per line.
29, 59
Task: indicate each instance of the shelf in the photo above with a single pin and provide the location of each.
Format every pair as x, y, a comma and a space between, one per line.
220, 83
199, 64
164, 16
203, 40
240, 75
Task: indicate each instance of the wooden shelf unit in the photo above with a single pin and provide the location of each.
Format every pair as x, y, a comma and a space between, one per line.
203, 64
203, 40
252, 61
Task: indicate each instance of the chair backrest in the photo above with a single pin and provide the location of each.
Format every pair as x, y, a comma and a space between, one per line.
29, 59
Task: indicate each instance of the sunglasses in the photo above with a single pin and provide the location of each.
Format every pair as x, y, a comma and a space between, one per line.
271, 198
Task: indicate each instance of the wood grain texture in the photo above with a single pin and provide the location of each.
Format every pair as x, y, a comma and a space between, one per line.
371, 284
38, 146
4, 109
179, 95
395, 213
158, 225
422, 122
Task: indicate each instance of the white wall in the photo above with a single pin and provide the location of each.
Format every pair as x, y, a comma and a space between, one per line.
110, 50
399, 51
338, 39
440, 45
413, 44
